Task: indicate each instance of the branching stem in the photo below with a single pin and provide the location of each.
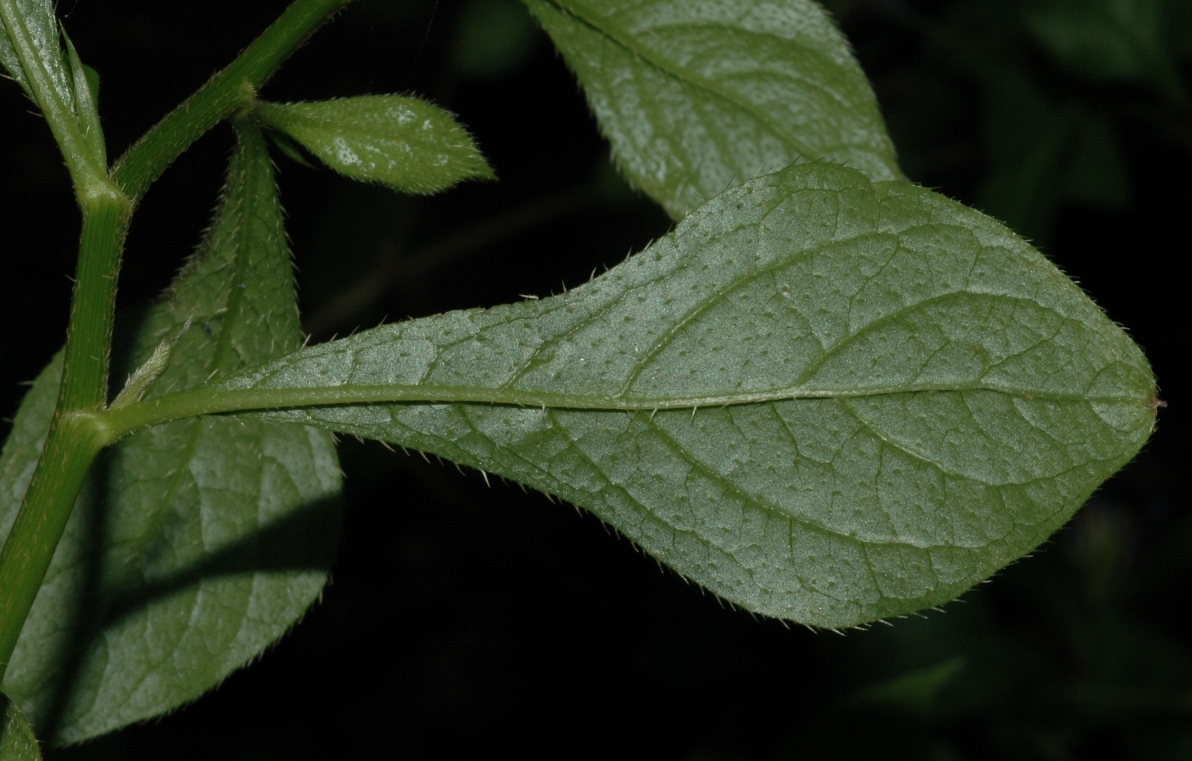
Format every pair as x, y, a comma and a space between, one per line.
229, 90
107, 201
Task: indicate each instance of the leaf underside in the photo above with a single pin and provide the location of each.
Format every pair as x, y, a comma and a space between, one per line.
699, 95
215, 534
824, 399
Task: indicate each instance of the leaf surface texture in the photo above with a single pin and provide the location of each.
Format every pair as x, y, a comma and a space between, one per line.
699, 95
825, 399
404, 143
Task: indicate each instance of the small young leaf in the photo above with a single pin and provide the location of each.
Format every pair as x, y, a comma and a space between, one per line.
404, 143
17, 742
824, 399
214, 534
699, 95
37, 16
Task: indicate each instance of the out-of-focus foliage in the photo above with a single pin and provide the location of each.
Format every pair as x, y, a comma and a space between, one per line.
1053, 84
1107, 39
493, 39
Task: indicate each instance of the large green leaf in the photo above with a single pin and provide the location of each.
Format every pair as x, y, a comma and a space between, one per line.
699, 95
822, 398
215, 534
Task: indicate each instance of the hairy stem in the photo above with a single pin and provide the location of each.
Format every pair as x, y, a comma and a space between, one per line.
223, 94
73, 441
93, 304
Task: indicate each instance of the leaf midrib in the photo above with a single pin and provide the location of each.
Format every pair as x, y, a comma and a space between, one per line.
223, 400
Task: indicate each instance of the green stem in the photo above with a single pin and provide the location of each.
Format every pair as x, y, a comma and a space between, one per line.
72, 445
93, 305
73, 440
223, 94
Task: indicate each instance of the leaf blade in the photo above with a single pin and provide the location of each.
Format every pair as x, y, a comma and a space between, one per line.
404, 143
908, 396
698, 96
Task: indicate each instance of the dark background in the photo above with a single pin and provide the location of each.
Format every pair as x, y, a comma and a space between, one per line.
465, 620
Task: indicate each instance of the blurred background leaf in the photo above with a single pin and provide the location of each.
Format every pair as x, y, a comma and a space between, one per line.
493, 39
1107, 39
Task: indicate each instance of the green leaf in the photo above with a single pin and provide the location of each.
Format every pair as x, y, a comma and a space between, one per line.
37, 16
404, 143
22, 449
215, 534
17, 742
824, 399
1107, 39
699, 95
